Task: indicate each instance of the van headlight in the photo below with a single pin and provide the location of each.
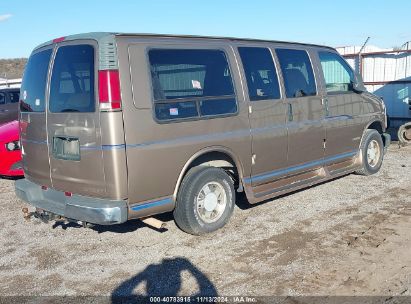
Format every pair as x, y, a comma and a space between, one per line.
13, 145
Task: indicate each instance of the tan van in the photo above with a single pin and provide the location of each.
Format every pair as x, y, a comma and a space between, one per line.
122, 126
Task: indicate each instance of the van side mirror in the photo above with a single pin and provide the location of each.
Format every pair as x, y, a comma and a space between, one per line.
358, 85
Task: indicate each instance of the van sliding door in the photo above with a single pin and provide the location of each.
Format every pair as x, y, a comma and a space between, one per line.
267, 115
306, 133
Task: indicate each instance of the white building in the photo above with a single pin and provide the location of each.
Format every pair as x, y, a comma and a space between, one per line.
10, 83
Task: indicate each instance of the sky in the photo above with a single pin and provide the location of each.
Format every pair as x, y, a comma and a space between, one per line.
26, 23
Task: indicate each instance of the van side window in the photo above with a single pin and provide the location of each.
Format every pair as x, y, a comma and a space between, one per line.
260, 73
34, 82
72, 80
191, 83
2, 98
338, 76
297, 73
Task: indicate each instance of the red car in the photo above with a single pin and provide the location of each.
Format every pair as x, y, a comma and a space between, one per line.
10, 154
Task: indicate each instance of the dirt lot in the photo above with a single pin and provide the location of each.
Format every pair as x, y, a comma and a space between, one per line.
348, 236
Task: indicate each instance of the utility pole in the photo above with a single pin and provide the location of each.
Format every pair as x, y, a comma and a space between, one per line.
360, 58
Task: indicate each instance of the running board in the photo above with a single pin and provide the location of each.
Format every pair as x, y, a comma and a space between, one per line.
286, 184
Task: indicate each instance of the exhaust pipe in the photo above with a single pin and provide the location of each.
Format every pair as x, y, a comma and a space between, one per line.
155, 223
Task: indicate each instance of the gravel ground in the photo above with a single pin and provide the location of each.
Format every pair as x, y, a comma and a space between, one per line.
349, 236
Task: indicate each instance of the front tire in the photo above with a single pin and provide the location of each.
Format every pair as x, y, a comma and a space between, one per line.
205, 200
372, 149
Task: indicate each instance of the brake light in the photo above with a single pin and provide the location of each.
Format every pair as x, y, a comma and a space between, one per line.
69, 194
109, 90
60, 39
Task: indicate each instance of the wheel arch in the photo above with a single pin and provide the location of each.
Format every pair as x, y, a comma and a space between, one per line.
215, 156
375, 124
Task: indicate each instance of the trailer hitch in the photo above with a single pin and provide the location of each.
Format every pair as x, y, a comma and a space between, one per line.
40, 214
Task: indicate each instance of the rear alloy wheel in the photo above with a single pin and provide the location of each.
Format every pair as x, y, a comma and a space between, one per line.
205, 200
211, 202
372, 149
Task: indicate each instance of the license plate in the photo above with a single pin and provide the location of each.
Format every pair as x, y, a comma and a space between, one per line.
66, 148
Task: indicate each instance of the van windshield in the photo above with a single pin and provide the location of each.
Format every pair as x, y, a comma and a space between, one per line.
72, 82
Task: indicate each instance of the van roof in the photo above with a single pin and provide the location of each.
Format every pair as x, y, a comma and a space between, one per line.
105, 35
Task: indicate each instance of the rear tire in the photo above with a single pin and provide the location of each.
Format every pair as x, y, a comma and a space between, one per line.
205, 200
404, 134
372, 149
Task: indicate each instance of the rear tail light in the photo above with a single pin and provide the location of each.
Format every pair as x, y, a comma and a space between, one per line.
13, 146
109, 90
69, 194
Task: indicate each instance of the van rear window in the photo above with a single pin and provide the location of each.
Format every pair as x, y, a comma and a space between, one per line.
72, 80
191, 83
33, 86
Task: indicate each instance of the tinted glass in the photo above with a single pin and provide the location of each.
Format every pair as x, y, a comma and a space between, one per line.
218, 106
167, 111
14, 97
260, 73
33, 86
201, 77
2, 98
189, 73
297, 73
338, 76
72, 81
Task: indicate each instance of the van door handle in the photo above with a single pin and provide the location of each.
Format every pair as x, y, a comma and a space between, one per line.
290, 112
324, 102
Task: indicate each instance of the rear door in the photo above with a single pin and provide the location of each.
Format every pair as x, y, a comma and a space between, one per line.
33, 130
73, 121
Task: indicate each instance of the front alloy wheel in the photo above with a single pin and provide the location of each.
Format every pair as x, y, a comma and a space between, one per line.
372, 149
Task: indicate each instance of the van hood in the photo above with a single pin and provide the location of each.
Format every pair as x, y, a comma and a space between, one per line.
9, 131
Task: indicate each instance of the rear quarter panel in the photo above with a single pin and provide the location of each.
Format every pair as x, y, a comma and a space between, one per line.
158, 152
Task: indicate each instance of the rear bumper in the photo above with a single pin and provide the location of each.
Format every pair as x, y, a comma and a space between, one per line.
76, 207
